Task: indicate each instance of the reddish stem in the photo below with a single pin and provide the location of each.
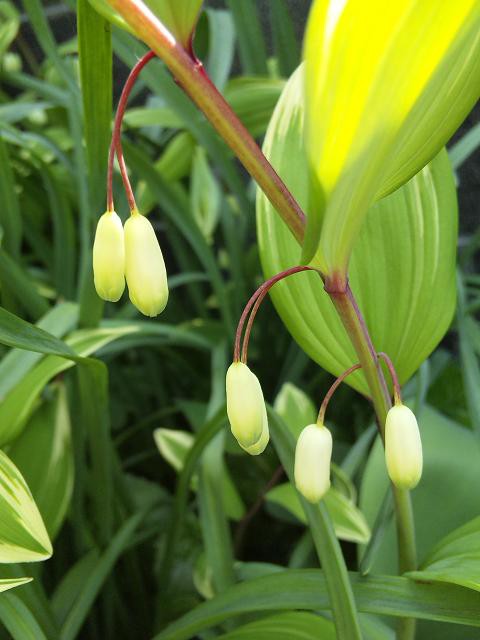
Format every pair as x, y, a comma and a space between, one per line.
262, 291
331, 391
397, 391
116, 144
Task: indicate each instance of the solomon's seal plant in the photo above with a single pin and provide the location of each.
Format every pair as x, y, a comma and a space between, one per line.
356, 190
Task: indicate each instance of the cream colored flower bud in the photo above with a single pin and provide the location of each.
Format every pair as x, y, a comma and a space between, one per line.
109, 257
403, 447
144, 266
312, 462
246, 408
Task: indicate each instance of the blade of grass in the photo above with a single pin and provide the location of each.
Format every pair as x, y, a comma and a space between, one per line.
285, 42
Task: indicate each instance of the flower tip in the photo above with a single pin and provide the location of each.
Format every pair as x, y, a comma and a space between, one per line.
313, 454
246, 408
403, 447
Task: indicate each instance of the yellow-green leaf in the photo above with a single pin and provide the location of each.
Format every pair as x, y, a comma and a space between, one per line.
23, 537
402, 269
387, 84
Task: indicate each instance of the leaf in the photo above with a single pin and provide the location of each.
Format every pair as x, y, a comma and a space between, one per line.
375, 120
253, 54
306, 589
285, 626
295, 408
95, 56
58, 321
94, 581
15, 332
19, 620
221, 36
11, 583
284, 38
455, 559
173, 445
49, 473
253, 99
443, 499
9, 25
402, 270
23, 537
463, 149
348, 521
205, 195
10, 217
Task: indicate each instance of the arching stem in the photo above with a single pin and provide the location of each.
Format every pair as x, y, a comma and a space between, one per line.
331, 391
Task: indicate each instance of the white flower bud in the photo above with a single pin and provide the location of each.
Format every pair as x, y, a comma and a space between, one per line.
312, 462
246, 408
109, 257
144, 266
403, 447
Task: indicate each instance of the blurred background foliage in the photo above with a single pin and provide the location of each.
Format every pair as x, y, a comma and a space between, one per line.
151, 505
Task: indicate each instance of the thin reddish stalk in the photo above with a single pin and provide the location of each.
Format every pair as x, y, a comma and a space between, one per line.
248, 330
331, 391
263, 289
116, 144
397, 391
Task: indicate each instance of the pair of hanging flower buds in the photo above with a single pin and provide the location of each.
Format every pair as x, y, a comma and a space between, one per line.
248, 419
132, 252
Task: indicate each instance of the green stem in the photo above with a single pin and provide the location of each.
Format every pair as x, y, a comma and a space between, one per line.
190, 75
356, 328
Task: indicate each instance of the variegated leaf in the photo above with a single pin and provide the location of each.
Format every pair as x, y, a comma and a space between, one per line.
403, 265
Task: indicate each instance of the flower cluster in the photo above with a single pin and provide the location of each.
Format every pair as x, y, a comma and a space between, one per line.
247, 414
130, 253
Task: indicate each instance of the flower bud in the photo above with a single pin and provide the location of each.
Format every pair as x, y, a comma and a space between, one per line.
109, 257
144, 266
403, 447
312, 462
246, 408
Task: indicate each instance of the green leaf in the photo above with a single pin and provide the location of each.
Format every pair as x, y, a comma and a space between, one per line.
11, 583
19, 620
456, 559
205, 195
374, 121
306, 589
348, 521
284, 38
253, 99
463, 149
402, 270
443, 499
57, 322
95, 57
10, 218
15, 332
96, 578
9, 25
23, 537
295, 408
221, 46
285, 626
251, 44
49, 473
